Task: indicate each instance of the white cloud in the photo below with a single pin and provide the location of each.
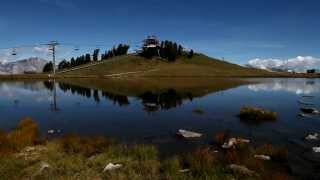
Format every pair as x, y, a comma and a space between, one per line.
298, 64
41, 49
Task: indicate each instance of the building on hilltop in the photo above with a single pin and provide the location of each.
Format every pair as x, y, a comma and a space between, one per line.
151, 42
150, 46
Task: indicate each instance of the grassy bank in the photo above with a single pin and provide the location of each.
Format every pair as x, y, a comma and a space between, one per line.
25, 155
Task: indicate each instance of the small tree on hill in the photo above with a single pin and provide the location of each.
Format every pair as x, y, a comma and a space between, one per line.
191, 54
95, 54
48, 67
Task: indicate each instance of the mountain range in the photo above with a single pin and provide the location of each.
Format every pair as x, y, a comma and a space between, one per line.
30, 65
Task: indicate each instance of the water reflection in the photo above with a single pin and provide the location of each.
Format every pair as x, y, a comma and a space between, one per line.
297, 86
151, 101
163, 101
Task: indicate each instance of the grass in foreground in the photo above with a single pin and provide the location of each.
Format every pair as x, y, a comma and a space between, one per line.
75, 157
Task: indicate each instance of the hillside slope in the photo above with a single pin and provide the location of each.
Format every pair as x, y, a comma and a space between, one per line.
198, 66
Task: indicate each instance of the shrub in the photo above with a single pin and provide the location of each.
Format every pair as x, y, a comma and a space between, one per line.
171, 167
198, 111
73, 144
221, 137
251, 114
25, 134
201, 161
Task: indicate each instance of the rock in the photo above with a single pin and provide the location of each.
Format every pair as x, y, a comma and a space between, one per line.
234, 141
151, 105
184, 170
262, 157
44, 166
242, 170
304, 115
188, 134
312, 137
231, 142
308, 96
51, 131
305, 103
111, 167
316, 149
310, 110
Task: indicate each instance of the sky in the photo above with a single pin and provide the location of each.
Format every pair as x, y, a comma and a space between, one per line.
236, 30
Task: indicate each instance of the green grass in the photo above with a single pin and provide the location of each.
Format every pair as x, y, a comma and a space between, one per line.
198, 66
75, 157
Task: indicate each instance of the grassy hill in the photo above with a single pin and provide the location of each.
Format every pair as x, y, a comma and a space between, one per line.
198, 66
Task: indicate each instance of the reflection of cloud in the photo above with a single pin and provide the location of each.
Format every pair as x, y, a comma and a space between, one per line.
38, 49
33, 90
297, 86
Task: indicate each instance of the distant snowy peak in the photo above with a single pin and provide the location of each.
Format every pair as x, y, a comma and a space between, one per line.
30, 65
298, 64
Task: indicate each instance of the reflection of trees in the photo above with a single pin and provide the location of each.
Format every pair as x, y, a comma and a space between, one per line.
117, 99
49, 85
82, 91
90, 93
151, 101
164, 101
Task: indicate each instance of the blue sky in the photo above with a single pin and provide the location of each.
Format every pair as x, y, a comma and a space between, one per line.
238, 30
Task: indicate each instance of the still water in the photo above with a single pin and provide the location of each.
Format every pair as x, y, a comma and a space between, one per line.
154, 118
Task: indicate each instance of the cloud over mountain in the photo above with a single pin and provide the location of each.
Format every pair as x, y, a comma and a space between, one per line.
298, 64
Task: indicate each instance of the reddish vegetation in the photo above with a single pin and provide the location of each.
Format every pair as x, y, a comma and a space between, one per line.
25, 134
74, 144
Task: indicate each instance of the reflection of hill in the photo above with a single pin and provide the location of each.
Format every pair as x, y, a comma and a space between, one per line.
298, 86
137, 86
159, 94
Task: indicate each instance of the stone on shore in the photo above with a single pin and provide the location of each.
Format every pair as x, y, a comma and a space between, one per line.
188, 134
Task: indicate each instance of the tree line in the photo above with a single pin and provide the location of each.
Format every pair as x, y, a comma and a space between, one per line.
167, 50
121, 49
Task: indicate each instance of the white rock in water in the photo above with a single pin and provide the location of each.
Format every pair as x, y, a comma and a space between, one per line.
184, 170
111, 167
316, 149
51, 131
188, 134
311, 137
262, 157
234, 141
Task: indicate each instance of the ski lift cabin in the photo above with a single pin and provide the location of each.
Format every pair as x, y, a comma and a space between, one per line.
14, 52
